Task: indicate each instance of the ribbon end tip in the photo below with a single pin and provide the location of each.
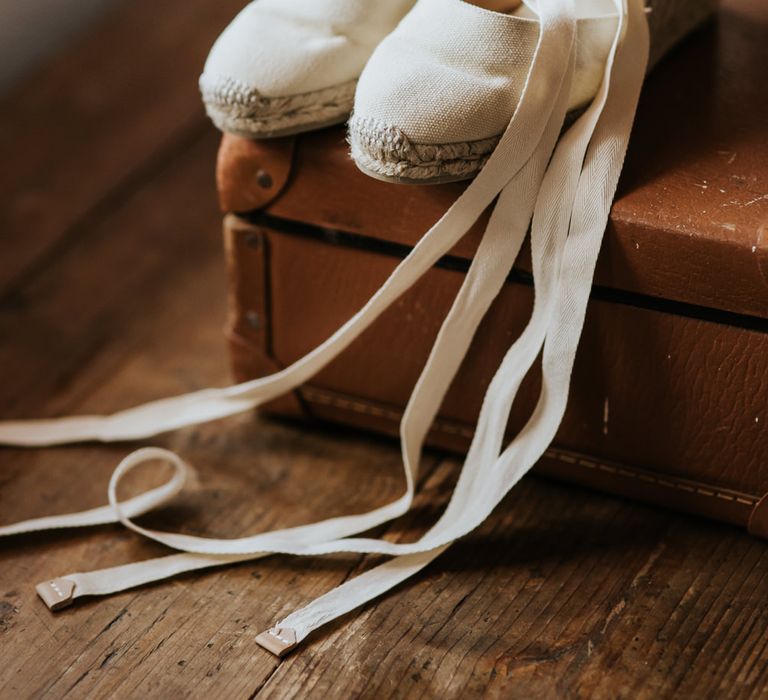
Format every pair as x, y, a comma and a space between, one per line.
278, 640
57, 593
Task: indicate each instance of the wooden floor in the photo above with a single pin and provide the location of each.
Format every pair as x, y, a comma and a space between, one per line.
112, 292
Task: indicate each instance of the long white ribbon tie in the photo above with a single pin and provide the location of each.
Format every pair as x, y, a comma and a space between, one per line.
136, 506
486, 275
513, 152
495, 256
478, 492
483, 282
569, 193
490, 267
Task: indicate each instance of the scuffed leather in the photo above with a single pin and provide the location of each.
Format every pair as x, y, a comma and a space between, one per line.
679, 398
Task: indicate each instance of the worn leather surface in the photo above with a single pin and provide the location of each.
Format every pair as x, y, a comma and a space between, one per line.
671, 381
691, 219
248, 320
246, 183
680, 399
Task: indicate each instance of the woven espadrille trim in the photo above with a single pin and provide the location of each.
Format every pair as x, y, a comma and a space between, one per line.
387, 151
234, 106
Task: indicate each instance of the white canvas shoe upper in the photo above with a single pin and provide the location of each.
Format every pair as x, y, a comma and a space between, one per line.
284, 65
443, 86
453, 72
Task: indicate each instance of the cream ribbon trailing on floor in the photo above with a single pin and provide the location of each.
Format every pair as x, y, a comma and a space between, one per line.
569, 191
151, 419
41, 432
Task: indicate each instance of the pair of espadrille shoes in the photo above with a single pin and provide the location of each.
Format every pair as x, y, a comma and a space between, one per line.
431, 84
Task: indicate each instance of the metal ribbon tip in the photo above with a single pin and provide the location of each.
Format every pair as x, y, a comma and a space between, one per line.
57, 593
278, 640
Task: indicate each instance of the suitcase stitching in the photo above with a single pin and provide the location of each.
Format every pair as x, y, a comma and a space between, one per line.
319, 396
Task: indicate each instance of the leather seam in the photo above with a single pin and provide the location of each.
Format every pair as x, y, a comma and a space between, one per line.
314, 395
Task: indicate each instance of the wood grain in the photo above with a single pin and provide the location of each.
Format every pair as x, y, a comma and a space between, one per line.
78, 136
562, 593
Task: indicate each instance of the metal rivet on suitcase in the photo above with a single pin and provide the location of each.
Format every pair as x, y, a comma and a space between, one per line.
264, 179
252, 240
253, 319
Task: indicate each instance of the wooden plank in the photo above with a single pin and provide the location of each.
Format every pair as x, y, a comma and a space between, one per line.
562, 593
60, 316
100, 117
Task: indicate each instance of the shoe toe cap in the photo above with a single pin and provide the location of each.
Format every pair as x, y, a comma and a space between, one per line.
271, 73
271, 54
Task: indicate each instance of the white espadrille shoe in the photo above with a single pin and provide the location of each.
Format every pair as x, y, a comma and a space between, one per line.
286, 66
438, 92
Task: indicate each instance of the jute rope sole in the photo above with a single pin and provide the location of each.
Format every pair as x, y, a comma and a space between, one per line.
238, 109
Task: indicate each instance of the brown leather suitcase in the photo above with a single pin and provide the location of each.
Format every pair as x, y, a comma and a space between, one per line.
669, 393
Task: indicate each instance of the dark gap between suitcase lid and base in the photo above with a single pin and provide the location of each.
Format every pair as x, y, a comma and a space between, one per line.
457, 264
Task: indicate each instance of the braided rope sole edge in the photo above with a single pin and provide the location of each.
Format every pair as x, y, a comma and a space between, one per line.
238, 108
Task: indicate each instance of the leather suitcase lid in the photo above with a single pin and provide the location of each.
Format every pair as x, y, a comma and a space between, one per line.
690, 223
